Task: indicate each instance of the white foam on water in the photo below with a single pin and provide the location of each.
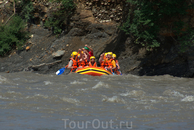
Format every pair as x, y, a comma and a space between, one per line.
2, 79
47, 82
16, 78
173, 93
156, 99
125, 94
84, 89
133, 93
70, 100
100, 84
188, 99
114, 99
77, 82
160, 97
85, 79
153, 101
185, 98
3, 97
40, 95
138, 85
149, 107
13, 92
37, 95
142, 101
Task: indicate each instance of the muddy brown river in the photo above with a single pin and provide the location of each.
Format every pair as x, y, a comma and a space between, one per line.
30, 101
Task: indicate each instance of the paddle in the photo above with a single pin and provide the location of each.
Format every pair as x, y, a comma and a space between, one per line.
111, 71
120, 71
59, 72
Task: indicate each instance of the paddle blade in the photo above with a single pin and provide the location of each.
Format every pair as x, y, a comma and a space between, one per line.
59, 72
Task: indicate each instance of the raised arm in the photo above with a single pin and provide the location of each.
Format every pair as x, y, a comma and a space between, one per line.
101, 57
70, 65
84, 56
89, 48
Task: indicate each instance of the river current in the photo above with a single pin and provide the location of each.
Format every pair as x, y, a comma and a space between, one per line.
30, 101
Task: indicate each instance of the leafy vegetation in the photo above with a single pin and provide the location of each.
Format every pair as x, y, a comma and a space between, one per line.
58, 20
25, 9
12, 35
147, 17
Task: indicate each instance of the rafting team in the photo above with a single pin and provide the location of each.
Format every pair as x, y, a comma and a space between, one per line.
84, 58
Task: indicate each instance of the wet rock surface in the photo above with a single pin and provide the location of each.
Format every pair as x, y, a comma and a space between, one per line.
46, 49
132, 58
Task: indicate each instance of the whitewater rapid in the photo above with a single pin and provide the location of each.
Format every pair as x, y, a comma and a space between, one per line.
36, 101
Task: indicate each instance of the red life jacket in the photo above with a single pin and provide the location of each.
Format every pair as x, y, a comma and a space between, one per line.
90, 64
104, 63
109, 63
81, 63
116, 71
86, 62
74, 64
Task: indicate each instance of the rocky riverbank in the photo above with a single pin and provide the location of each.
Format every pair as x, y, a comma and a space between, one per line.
96, 24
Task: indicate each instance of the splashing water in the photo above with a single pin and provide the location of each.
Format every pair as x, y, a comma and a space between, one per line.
35, 101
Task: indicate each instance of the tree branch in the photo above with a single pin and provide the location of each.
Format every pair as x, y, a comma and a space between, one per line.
12, 14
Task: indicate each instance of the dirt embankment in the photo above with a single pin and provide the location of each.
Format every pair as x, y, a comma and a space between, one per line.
46, 53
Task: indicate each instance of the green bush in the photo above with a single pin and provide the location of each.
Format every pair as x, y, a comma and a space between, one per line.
12, 35
186, 40
25, 9
146, 18
58, 20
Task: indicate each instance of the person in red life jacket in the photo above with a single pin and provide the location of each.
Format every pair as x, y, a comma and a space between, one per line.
92, 62
102, 60
89, 50
116, 61
72, 65
111, 65
82, 59
107, 63
86, 56
117, 70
